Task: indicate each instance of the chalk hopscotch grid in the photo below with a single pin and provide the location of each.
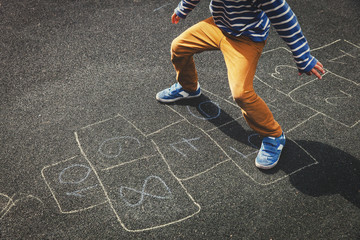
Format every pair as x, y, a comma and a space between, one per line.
206, 133
54, 194
183, 118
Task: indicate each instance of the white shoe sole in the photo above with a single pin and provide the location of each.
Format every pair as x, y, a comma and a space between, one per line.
175, 99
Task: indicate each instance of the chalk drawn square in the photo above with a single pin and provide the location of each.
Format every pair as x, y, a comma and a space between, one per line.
341, 58
187, 149
145, 195
242, 145
333, 96
147, 111
73, 185
207, 111
112, 142
281, 74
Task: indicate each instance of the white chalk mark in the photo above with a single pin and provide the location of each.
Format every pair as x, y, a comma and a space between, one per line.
173, 174
304, 105
243, 155
275, 108
119, 146
188, 141
134, 160
77, 192
170, 223
341, 123
283, 177
201, 131
277, 72
205, 171
334, 104
230, 102
327, 72
346, 79
303, 122
143, 193
73, 166
225, 124
111, 205
275, 49
8, 206
98, 178
142, 133
11, 203
102, 121
326, 45
353, 44
345, 54
265, 83
207, 116
157, 131
54, 194
302, 85
157, 9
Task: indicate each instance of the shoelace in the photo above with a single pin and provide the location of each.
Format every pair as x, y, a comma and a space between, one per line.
272, 147
174, 89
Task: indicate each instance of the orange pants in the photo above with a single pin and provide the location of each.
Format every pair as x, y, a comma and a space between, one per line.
241, 57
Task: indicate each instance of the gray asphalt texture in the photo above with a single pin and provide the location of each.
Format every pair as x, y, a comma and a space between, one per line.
88, 153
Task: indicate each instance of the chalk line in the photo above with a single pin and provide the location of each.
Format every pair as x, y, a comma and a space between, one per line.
230, 159
303, 122
230, 102
54, 195
326, 45
353, 44
304, 105
277, 72
201, 131
285, 176
102, 121
161, 7
346, 79
111, 205
157, 131
11, 203
134, 160
184, 119
225, 124
275, 49
205, 171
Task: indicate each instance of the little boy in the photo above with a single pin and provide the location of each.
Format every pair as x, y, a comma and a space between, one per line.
239, 29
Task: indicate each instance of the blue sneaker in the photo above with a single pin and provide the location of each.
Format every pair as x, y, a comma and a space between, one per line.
270, 151
175, 93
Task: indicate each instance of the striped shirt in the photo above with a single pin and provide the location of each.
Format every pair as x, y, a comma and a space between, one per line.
252, 18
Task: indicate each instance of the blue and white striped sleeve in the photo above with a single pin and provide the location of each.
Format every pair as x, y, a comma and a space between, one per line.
185, 7
283, 19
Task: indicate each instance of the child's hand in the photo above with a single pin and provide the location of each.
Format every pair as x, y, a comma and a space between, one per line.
175, 19
317, 68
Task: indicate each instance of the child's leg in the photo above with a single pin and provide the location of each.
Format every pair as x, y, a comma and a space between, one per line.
198, 38
241, 57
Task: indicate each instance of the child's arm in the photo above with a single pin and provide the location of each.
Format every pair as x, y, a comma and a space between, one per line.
285, 22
